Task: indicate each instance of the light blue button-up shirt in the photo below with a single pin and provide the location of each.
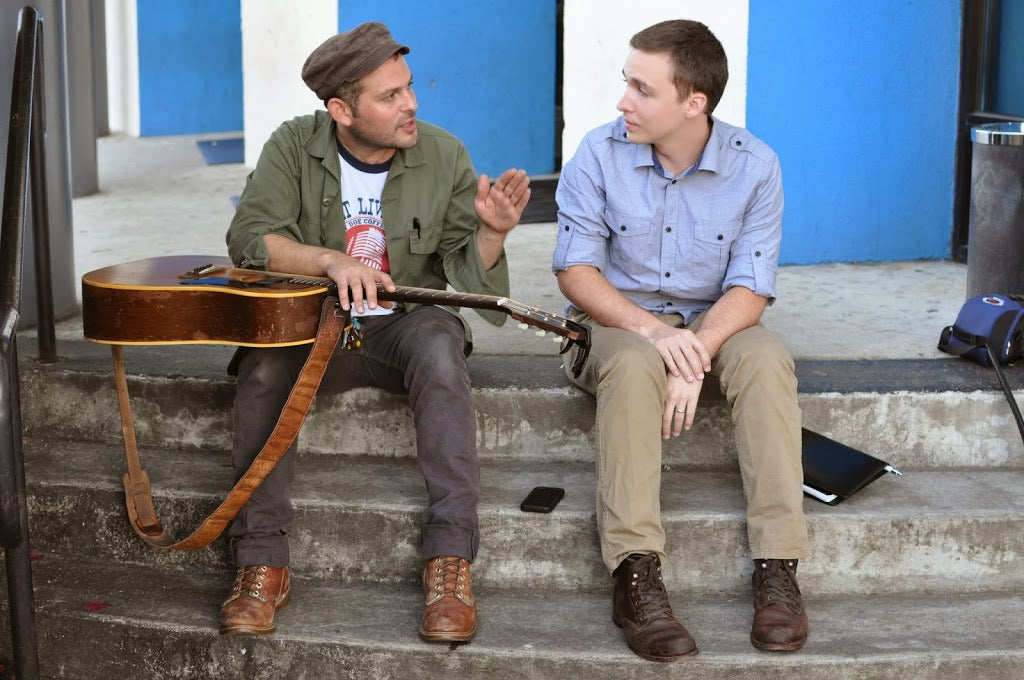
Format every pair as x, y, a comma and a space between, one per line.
672, 244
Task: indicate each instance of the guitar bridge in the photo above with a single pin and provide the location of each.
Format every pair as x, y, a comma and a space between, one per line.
199, 271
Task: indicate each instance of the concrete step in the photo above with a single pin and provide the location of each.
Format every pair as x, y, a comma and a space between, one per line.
106, 620
913, 413
357, 520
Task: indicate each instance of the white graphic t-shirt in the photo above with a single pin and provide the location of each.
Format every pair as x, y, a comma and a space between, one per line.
365, 239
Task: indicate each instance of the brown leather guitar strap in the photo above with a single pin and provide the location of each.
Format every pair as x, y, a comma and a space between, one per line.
138, 496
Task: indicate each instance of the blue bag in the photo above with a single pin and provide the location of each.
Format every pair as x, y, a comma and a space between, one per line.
988, 327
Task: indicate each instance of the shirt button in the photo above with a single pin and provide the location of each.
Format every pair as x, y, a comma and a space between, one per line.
327, 202
720, 237
668, 304
622, 227
668, 274
567, 227
668, 229
757, 253
673, 181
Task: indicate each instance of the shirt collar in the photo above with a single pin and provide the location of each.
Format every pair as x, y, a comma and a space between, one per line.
643, 154
712, 159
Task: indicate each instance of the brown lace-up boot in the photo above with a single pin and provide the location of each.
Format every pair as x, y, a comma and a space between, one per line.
258, 592
640, 607
780, 621
449, 614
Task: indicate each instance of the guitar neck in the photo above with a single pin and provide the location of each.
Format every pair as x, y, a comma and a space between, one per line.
416, 295
524, 313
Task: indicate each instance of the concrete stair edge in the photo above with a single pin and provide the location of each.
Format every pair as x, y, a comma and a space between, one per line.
357, 518
103, 620
912, 429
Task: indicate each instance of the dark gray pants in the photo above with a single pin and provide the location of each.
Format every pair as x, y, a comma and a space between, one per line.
420, 353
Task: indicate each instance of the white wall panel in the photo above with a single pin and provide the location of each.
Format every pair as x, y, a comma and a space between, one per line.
276, 39
122, 66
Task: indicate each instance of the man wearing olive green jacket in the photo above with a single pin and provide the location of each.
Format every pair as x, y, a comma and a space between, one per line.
367, 195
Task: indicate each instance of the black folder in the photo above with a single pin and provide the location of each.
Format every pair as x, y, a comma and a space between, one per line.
833, 472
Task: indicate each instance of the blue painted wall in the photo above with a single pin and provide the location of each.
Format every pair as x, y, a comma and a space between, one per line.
190, 66
483, 70
859, 99
1009, 95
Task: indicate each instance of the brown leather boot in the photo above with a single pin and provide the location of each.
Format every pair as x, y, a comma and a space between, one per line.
257, 593
780, 621
450, 611
640, 607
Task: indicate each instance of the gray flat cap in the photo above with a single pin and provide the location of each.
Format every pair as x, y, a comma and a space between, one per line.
348, 56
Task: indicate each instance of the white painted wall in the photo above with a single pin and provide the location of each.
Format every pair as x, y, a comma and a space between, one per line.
276, 39
122, 66
596, 42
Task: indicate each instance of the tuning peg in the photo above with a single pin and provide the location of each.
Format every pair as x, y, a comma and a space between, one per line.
524, 326
540, 334
557, 340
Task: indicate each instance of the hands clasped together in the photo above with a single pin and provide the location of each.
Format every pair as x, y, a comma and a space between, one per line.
687, 361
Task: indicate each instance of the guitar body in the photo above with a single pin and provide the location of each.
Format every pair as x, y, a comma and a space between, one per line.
148, 302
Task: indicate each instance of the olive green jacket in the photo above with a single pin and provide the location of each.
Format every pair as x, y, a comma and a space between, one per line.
295, 191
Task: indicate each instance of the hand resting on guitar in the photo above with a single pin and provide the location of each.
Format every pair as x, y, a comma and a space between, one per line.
347, 272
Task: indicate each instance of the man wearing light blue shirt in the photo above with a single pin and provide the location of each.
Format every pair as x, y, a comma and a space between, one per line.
668, 242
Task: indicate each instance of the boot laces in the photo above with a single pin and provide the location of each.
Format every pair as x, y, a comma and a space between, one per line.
777, 582
650, 599
448, 578
250, 579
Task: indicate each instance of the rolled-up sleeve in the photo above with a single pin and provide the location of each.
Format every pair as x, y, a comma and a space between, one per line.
270, 203
582, 231
754, 260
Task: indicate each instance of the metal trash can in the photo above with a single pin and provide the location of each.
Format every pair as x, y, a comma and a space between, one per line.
995, 238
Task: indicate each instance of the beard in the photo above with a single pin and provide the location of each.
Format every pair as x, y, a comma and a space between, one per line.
371, 138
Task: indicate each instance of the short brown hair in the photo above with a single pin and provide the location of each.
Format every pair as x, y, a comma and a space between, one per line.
698, 58
349, 93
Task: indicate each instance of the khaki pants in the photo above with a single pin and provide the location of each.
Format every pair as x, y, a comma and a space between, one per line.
627, 376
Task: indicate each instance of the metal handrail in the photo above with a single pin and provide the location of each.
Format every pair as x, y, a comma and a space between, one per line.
24, 157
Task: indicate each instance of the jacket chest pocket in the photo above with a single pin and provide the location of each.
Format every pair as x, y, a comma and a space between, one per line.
425, 237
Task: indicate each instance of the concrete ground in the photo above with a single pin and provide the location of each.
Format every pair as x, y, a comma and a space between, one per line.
158, 197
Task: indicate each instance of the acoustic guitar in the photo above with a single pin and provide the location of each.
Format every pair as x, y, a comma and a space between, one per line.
190, 299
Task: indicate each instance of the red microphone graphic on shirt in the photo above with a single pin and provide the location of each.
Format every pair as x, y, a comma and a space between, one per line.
365, 239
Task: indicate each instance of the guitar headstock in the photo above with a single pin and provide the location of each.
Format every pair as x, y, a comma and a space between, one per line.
573, 332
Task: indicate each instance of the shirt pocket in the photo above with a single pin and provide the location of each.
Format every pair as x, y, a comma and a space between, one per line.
629, 247
426, 239
713, 241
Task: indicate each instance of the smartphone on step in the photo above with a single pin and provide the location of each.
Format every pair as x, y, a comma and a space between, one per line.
542, 499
